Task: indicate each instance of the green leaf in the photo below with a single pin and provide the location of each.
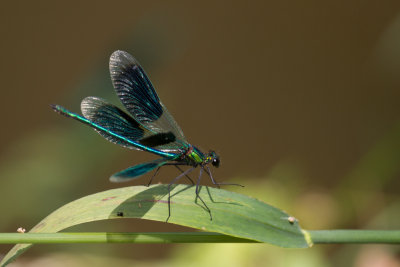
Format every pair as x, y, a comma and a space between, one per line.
233, 214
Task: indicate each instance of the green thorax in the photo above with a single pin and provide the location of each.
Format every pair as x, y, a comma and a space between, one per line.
195, 156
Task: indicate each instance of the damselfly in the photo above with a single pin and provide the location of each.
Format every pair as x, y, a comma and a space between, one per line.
149, 127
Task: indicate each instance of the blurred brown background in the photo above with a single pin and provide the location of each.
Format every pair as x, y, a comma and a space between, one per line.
300, 99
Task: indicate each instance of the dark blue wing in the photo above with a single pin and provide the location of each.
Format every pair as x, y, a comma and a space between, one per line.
115, 120
137, 170
137, 94
112, 118
107, 130
134, 88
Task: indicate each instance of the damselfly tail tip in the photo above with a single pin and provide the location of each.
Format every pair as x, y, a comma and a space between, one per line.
59, 109
55, 107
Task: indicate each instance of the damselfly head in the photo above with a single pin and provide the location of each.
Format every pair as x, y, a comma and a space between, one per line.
214, 158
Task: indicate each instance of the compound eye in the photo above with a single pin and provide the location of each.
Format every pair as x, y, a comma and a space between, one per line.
215, 162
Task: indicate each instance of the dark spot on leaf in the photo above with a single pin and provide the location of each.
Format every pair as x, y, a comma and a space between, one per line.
120, 214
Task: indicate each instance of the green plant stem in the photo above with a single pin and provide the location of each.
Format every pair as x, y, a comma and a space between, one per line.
355, 236
140, 238
317, 237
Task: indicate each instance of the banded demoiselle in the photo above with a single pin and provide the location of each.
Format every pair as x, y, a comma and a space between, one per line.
149, 127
